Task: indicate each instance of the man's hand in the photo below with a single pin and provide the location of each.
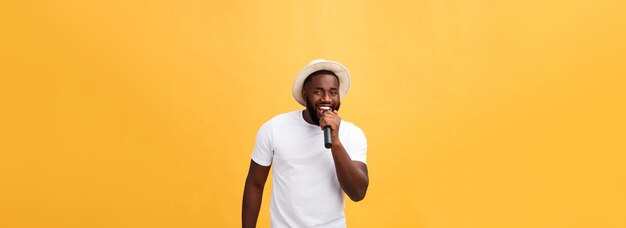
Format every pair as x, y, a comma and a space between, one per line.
331, 119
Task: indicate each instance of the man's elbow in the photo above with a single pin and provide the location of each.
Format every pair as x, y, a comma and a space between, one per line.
356, 197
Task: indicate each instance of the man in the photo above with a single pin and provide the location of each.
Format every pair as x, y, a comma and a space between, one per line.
308, 179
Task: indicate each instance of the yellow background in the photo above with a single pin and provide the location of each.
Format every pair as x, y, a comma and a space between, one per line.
478, 113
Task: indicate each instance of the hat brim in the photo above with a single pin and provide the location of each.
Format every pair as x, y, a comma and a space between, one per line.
316, 65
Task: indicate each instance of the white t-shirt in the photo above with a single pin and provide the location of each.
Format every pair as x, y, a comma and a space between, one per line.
305, 189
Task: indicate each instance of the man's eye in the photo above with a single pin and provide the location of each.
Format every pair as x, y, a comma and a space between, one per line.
333, 93
317, 92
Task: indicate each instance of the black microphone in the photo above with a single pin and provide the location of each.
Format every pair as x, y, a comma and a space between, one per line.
328, 140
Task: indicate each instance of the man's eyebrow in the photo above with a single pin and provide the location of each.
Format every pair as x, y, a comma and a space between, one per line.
333, 88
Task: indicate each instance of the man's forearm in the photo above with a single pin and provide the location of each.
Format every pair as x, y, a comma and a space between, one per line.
353, 180
252, 197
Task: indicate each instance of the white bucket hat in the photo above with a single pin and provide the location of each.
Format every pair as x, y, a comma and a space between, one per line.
317, 65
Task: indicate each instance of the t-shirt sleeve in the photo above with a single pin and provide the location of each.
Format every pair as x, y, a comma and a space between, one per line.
263, 150
358, 146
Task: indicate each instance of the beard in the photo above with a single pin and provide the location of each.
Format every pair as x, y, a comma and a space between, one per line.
313, 111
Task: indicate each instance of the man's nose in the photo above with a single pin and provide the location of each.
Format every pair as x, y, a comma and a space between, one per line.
326, 98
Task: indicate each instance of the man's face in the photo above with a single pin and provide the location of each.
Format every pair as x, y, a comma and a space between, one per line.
321, 91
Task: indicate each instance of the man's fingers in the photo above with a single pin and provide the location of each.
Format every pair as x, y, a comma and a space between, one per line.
329, 113
330, 116
322, 121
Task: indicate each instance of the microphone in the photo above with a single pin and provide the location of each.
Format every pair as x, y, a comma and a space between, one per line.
328, 140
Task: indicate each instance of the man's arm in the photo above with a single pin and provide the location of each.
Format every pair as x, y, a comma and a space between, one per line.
352, 175
253, 194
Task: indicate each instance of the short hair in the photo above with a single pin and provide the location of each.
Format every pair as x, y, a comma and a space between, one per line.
308, 78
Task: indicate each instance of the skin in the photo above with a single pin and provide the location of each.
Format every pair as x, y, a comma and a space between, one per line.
322, 90
253, 194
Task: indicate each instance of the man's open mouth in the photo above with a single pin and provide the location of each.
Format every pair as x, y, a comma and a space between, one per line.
323, 108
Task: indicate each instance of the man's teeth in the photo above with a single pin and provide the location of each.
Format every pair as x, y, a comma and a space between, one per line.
324, 108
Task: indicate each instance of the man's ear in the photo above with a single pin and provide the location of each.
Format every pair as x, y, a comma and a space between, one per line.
303, 93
